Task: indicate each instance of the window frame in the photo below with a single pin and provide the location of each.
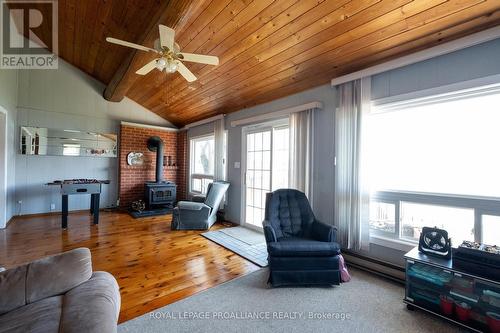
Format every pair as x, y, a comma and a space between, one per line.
192, 174
479, 204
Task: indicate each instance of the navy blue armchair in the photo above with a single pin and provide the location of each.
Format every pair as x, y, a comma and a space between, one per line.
302, 250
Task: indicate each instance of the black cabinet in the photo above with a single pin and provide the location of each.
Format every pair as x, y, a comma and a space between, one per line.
435, 285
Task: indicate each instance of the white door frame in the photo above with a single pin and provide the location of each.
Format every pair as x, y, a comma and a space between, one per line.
243, 167
3, 168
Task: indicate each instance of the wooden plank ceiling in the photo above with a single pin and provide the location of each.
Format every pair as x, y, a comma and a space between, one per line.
267, 48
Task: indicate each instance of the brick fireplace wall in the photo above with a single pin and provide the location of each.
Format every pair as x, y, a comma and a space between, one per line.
133, 177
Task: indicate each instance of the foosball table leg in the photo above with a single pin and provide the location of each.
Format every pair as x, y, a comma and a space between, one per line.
95, 206
64, 215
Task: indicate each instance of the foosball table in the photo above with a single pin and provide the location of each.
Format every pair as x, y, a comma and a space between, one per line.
80, 186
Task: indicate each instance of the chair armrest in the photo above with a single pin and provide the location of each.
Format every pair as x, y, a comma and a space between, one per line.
269, 232
323, 232
188, 205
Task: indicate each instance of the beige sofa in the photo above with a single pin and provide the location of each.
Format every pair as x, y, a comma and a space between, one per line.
59, 294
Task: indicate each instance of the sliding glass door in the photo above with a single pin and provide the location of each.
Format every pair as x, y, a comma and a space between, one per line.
265, 167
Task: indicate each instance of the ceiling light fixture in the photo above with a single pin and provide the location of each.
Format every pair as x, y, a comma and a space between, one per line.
171, 67
161, 63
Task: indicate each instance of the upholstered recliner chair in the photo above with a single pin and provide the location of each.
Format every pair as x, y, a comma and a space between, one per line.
189, 215
59, 294
302, 250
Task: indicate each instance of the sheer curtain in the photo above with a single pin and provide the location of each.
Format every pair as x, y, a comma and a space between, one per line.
351, 196
301, 152
220, 154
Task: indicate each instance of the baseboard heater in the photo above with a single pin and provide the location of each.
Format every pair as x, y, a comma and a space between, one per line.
376, 266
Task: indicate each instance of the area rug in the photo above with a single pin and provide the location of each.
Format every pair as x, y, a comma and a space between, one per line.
247, 243
247, 304
251, 237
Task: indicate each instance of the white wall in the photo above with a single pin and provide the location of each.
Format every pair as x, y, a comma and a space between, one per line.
67, 98
8, 100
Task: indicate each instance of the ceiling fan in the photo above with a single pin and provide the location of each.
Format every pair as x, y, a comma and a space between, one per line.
170, 55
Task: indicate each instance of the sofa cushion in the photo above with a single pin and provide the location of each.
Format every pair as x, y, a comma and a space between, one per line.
93, 306
57, 274
12, 289
300, 247
41, 316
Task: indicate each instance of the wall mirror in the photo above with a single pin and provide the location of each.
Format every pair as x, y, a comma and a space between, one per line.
64, 142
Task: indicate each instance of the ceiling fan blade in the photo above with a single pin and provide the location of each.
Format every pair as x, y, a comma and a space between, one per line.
184, 71
147, 68
128, 44
167, 36
200, 58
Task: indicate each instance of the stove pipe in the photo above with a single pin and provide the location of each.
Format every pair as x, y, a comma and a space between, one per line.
155, 143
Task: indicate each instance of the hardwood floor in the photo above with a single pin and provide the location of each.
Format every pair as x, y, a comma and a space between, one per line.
153, 265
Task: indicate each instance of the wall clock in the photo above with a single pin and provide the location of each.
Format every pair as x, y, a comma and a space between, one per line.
134, 158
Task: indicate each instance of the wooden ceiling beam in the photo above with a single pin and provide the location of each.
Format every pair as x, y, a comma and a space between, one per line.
172, 13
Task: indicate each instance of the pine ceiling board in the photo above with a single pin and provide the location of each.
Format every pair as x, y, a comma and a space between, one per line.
207, 16
239, 51
311, 58
80, 24
69, 29
267, 48
207, 35
226, 15
317, 64
98, 36
204, 18
215, 76
485, 21
250, 30
173, 13
359, 59
348, 18
231, 28
87, 38
125, 23
482, 23
151, 82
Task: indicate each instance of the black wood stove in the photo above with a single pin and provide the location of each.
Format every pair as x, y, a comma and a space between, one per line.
159, 193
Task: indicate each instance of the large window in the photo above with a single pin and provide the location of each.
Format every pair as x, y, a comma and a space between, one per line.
435, 163
202, 163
